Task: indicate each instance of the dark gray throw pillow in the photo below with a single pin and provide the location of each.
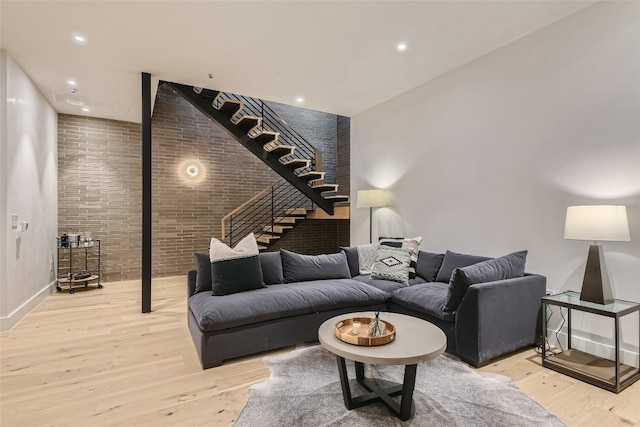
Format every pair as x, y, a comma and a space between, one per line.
301, 268
235, 270
428, 265
271, 264
453, 260
506, 267
203, 272
352, 259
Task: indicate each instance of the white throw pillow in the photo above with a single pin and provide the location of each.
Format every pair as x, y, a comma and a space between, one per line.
366, 257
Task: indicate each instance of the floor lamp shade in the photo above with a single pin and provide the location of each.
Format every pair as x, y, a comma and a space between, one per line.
374, 198
596, 223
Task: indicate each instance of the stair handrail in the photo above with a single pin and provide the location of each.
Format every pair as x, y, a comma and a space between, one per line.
245, 204
257, 107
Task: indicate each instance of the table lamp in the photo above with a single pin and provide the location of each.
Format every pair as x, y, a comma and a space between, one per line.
597, 223
374, 198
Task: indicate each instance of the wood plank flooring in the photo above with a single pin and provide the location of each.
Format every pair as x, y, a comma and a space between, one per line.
92, 359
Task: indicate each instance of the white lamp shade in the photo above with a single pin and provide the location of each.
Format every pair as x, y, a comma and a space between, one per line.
372, 198
597, 223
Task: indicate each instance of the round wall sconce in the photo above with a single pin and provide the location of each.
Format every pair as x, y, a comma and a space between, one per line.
193, 170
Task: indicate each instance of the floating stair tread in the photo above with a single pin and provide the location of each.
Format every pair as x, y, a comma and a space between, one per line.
266, 137
230, 107
288, 219
206, 93
279, 229
248, 123
337, 198
267, 238
325, 187
282, 150
296, 212
297, 164
262, 247
311, 176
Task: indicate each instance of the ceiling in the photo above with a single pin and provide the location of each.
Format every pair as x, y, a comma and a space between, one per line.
340, 56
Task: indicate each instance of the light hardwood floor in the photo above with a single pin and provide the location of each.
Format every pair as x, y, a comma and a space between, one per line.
92, 359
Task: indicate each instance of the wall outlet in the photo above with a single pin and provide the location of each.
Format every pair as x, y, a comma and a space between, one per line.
50, 265
15, 220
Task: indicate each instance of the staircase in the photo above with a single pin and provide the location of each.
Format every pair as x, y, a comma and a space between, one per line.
276, 210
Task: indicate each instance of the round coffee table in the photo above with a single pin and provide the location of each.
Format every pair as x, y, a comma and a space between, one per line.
416, 341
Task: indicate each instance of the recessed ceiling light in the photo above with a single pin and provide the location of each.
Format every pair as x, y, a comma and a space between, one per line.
71, 82
86, 110
79, 38
299, 99
401, 47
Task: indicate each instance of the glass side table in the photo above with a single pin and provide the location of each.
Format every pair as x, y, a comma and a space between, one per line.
608, 374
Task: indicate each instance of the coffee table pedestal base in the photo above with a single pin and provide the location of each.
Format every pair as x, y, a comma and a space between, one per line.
377, 394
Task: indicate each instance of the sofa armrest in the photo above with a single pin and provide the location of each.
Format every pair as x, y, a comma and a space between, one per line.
496, 318
191, 282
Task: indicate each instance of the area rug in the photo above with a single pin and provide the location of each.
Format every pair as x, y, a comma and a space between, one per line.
304, 390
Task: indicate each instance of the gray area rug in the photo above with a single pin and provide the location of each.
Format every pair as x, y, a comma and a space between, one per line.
304, 390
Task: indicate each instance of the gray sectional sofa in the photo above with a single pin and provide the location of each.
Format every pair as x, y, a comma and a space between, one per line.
490, 319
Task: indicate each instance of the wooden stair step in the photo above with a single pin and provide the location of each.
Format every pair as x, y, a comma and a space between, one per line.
311, 176
288, 219
265, 137
296, 212
297, 164
279, 229
267, 238
337, 198
209, 94
262, 247
249, 123
282, 150
321, 188
230, 107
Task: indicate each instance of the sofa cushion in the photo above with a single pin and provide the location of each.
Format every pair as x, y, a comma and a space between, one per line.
271, 264
300, 268
214, 313
506, 267
352, 259
411, 244
203, 272
428, 265
392, 264
428, 298
386, 285
366, 257
235, 270
453, 260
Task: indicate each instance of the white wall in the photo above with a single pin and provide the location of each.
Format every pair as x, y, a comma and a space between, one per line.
28, 186
486, 158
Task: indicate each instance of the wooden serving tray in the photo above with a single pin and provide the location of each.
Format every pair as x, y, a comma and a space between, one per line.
344, 332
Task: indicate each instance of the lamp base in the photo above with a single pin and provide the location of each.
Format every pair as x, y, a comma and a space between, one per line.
596, 286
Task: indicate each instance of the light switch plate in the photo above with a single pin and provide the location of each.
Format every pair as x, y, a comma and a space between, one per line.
14, 220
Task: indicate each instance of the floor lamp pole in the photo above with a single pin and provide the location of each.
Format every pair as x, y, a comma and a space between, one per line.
370, 224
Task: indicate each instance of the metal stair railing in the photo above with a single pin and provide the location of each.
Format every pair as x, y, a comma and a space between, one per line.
273, 122
263, 210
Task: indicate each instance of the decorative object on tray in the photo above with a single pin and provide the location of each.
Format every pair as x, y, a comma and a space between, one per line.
356, 331
377, 328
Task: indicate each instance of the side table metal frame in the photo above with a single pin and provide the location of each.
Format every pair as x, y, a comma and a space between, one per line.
559, 361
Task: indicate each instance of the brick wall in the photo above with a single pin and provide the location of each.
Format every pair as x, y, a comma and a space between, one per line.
100, 187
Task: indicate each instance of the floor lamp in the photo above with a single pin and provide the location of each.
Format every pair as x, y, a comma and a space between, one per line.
371, 199
597, 223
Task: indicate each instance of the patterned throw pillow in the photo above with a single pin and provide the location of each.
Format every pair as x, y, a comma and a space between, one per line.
235, 270
366, 257
411, 244
392, 264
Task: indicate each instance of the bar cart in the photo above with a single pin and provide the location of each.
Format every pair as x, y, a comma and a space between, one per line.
78, 262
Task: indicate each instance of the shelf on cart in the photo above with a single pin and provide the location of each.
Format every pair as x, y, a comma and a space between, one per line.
87, 279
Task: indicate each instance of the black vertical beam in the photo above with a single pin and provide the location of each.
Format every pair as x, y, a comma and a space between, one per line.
146, 192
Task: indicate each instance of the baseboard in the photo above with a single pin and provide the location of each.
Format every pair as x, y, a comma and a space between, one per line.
627, 356
7, 323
